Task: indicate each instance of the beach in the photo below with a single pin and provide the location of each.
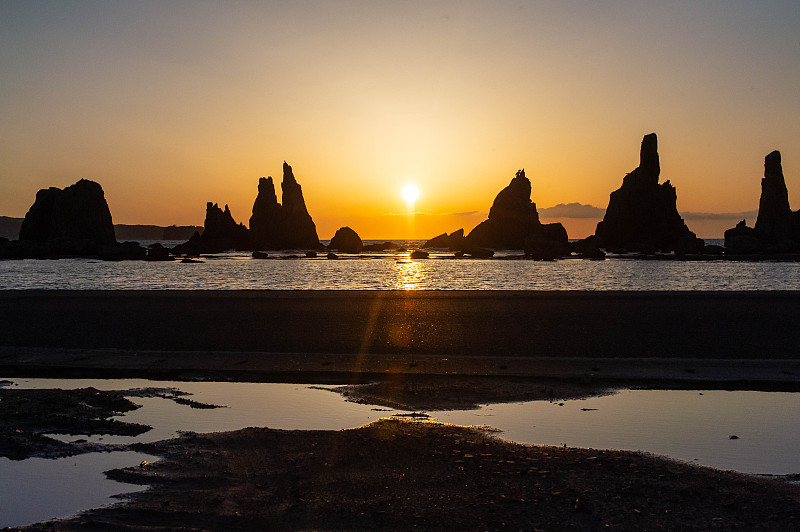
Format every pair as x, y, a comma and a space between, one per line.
418, 350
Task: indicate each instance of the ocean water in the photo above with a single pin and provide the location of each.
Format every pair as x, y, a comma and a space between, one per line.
396, 271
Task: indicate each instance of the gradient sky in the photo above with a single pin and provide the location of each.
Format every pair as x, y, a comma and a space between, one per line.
172, 104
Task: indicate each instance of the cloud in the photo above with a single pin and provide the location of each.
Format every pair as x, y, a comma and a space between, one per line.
689, 215
579, 210
572, 210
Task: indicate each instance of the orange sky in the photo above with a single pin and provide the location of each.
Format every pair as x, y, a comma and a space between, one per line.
171, 105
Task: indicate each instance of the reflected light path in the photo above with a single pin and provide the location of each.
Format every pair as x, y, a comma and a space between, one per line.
410, 275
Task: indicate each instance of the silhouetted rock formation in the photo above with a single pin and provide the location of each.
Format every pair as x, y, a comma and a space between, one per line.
286, 226
642, 215
382, 246
742, 239
454, 241
9, 227
347, 241
514, 223
265, 223
77, 213
221, 232
777, 228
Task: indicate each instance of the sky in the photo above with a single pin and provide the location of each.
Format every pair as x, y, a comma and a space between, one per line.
170, 104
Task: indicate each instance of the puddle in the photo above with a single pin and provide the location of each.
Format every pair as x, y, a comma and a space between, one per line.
38, 489
695, 426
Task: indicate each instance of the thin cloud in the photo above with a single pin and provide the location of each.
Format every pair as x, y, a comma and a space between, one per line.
746, 215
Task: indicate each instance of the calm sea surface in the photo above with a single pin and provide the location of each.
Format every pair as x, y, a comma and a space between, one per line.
396, 271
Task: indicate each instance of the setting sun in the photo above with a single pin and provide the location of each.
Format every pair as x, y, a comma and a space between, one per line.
410, 193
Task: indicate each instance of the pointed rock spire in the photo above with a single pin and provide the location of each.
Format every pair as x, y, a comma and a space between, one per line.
773, 224
643, 215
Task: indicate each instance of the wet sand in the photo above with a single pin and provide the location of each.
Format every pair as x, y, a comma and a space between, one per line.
431, 349
512, 324
399, 475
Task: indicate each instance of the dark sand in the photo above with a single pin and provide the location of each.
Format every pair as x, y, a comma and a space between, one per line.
446, 323
399, 475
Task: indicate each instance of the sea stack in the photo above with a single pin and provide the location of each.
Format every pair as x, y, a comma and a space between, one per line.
642, 215
774, 222
282, 226
777, 228
265, 221
78, 213
221, 232
513, 221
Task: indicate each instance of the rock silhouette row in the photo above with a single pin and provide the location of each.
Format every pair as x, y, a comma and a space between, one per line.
641, 217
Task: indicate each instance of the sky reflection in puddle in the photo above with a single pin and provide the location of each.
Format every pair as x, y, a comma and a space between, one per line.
688, 425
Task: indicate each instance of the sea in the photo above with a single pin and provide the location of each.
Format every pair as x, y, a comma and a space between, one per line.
395, 270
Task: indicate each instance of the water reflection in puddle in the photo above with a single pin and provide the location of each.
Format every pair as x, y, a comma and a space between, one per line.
687, 425
38, 489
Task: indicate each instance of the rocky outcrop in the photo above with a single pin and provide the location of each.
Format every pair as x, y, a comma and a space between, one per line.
220, 233
78, 213
380, 246
777, 228
454, 241
513, 222
282, 226
74, 222
642, 215
347, 241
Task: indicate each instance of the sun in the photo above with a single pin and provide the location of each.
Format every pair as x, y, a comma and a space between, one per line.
410, 193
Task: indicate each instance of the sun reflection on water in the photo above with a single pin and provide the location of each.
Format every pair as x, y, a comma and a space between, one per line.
410, 275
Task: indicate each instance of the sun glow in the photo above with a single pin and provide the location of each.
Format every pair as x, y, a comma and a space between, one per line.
410, 193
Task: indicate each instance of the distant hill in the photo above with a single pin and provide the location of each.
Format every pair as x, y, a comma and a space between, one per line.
155, 232
9, 228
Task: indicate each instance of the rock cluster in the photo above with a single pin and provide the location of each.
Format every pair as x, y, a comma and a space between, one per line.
642, 214
777, 227
272, 226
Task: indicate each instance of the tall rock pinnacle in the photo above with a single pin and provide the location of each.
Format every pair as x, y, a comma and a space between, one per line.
282, 226
773, 224
643, 215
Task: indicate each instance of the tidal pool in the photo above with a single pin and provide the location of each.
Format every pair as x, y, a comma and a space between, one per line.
689, 425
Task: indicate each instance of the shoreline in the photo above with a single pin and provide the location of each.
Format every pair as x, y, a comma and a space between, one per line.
347, 368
